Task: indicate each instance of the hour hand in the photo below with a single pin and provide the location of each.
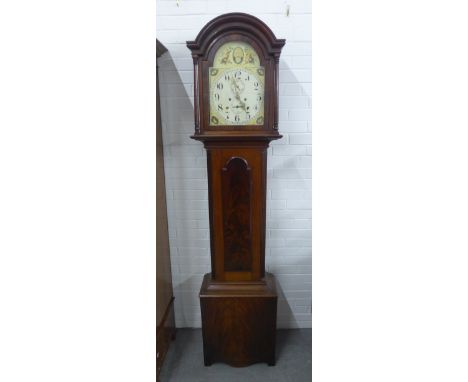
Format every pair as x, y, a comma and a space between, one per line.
242, 104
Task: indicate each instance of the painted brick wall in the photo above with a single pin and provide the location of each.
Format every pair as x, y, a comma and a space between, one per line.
288, 242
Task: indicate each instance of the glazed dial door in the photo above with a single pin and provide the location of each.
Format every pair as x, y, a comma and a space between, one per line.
237, 86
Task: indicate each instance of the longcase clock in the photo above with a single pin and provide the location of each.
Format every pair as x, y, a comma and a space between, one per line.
236, 60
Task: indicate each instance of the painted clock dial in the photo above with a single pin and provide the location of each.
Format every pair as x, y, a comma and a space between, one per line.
236, 86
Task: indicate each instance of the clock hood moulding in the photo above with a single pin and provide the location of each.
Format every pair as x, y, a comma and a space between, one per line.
236, 22
222, 29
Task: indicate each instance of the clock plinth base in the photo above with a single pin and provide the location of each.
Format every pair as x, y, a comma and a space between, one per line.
239, 321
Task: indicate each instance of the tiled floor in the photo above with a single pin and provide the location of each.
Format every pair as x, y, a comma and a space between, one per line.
184, 361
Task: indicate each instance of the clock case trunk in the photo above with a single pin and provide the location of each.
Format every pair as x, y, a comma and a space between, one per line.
238, 298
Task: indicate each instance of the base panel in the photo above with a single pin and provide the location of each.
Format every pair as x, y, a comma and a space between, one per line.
239, 321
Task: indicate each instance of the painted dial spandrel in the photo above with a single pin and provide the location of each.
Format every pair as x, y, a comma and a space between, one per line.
237, 86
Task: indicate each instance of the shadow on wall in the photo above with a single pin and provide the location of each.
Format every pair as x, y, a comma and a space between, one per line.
186, 192
289, 235
187, 200
285, 316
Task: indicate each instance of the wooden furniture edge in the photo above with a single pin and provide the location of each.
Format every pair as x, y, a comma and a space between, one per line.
165, 332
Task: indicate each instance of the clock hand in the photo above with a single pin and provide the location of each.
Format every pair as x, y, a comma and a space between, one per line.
234, 85
236, 90
242, 104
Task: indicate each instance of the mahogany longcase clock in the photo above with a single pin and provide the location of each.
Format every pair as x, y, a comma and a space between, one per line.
236, 60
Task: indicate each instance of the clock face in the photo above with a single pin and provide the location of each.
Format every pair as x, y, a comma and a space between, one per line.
236, 86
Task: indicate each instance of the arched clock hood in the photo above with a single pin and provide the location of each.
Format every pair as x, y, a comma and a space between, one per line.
252, 30
236, 22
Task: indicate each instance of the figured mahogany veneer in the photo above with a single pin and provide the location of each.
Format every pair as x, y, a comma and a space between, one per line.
238, 299
237, 215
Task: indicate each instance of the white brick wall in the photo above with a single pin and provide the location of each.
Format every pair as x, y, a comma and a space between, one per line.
288, 242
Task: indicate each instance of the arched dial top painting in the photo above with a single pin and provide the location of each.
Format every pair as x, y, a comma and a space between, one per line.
236, 86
